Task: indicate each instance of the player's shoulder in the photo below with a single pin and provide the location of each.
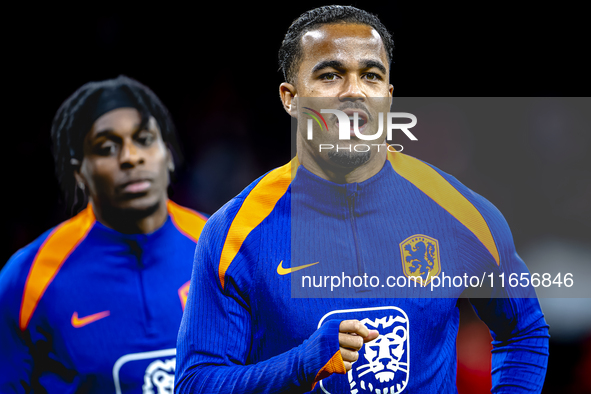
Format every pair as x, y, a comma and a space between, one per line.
444, 188
20, 262
52, 246
253, 203
237, 224
472, 210
491, 214
188, 222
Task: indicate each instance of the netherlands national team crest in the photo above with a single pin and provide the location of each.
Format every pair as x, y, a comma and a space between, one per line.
420, 257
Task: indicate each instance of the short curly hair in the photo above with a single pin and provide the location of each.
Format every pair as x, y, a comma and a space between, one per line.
290, 53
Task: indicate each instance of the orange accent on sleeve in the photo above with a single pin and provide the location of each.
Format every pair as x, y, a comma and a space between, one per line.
443, 193
256, 207
49, 259
334, 365
186, 220
184, 293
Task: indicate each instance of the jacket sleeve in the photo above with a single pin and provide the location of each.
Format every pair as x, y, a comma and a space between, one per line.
513, 314
215, 337
16, 361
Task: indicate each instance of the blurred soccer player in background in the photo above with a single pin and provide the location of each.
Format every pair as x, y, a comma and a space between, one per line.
357, 212
93, 305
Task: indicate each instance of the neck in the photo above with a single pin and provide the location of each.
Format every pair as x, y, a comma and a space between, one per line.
128, 221
337, 174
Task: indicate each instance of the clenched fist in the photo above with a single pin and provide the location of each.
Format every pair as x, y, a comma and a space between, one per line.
352, 335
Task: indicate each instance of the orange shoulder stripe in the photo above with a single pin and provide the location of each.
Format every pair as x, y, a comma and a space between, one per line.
443, 193
186, 220
49, 259
255, 208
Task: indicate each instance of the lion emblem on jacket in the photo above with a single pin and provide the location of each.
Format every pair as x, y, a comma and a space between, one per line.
159, 377
383, 363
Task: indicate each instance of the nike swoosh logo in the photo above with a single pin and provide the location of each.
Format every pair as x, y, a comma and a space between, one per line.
81, 322
285, 271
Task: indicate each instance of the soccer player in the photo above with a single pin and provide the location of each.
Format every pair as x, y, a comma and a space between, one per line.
94, 304
252, 326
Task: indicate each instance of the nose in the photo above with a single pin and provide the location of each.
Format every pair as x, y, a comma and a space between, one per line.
130, 155
352, 89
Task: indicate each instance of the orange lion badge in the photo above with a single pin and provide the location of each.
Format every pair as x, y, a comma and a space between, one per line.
420, 258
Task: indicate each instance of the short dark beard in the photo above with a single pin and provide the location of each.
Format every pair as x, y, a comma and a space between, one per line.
349, 159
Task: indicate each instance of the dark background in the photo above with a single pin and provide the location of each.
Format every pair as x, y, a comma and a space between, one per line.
215, 67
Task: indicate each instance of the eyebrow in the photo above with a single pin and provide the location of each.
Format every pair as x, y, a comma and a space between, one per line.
338, 65
110, 132
328, 63
372, 64
103, 133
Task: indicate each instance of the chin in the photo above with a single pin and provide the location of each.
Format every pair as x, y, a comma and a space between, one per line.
349, 159
141, 206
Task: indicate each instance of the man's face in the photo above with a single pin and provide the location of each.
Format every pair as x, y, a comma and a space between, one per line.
346, 65
346, 61
125, 166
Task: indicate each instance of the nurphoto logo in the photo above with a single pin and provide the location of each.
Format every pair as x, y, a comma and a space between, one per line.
354, 123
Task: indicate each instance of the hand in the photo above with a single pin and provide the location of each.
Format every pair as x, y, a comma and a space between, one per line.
352, 335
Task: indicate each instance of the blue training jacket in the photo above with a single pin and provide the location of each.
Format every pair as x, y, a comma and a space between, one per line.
263, 310
85, 308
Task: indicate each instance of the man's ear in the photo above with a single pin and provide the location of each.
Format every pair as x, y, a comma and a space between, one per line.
391, 90
169, 160
288, 93
80, 181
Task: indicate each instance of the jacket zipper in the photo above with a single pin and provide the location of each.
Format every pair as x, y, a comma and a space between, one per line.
137, 251
351, 196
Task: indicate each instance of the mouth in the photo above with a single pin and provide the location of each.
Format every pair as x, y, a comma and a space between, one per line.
136, 186
361, 122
